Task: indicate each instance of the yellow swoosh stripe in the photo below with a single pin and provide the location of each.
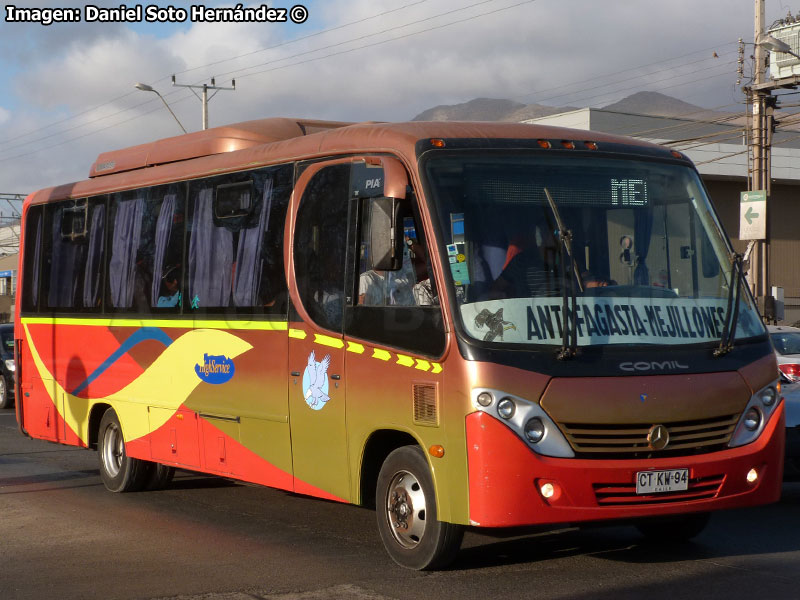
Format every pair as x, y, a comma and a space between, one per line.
166, 383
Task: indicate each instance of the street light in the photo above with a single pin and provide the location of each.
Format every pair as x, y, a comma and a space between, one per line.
148, 88
775, 45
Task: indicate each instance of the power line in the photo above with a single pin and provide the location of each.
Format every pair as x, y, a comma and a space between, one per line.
239, 75
295, 40
168, 94
606, 75
635, 77
473, 17
303, 38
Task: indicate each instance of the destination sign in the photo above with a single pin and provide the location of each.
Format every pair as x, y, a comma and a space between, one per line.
603, 320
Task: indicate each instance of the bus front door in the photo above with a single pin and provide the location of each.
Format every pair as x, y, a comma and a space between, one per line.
316, 346
317, 413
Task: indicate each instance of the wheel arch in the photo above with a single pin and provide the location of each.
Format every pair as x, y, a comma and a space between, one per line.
378, 446
95, 416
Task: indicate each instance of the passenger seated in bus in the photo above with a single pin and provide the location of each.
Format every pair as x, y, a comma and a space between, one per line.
422, 289
372, 287
530, 269
170, 295
388, 288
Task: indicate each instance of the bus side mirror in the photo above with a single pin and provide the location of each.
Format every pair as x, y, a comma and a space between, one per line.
385, 234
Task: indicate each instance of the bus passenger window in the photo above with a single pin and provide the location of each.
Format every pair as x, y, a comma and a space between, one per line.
235, 253
320, 245
73, 253
146, 246
33, 258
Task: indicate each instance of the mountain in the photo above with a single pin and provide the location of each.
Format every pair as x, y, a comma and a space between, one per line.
653, 103
487, 109
494, 109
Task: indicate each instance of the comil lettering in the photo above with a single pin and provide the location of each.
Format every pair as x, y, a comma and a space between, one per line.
654, 365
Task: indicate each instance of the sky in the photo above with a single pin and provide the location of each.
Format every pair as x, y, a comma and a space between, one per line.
69, 93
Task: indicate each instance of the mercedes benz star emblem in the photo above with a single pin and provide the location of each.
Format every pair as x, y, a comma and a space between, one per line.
658, 437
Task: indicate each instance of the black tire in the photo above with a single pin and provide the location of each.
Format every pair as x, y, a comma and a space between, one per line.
6, 399
677, 528
158, 476
119, 472
407, 518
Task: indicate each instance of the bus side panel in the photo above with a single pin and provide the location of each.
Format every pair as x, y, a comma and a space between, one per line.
381, 384
150, 376
243, 423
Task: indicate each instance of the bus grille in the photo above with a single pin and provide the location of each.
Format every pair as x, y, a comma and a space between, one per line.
630, 441
614, 494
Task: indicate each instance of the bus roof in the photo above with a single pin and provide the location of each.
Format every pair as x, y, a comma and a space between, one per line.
272, 141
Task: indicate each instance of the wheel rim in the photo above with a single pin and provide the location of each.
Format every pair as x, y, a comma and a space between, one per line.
2, 389
113, 449
406, 509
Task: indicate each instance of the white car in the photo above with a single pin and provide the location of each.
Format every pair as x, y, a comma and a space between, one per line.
786, 341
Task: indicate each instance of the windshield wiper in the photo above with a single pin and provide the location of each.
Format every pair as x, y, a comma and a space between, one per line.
569, 345
732, 312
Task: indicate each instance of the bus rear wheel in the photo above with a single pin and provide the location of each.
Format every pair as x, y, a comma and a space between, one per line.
406, 512
677, 528
119, 472
158, 477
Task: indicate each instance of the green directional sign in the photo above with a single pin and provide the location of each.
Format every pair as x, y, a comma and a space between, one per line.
753, 215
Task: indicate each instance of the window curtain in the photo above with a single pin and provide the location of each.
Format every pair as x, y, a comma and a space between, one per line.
124, 249
210, 257
249, 259
642, 232
66, 255
94, 260
163, 232
37, 261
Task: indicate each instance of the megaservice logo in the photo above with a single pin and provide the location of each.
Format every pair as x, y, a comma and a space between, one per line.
215, 369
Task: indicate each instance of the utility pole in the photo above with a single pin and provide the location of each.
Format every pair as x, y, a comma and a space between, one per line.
760, 176
762, 102
204, 98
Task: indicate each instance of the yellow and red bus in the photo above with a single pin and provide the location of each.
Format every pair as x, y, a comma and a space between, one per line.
461, 324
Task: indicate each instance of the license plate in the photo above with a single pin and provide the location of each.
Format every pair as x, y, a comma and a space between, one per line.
656, 482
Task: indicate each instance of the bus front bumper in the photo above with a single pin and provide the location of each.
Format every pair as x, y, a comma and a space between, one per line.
506, 480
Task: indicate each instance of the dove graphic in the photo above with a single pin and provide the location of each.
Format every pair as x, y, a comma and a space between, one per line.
315, 381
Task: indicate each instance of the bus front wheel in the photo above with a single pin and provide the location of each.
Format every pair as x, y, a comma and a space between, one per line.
407, 518
119, 472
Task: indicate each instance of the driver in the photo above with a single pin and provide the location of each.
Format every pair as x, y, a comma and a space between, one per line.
533, 269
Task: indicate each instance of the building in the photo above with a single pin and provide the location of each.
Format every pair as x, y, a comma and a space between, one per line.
716, 143
8, 286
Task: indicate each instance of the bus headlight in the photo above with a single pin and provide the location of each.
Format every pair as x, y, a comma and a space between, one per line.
752, 419
506, 408
529, 421
768, 396
485, 399
756, 415
534, 430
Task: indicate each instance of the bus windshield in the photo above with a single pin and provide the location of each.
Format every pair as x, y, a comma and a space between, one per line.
647, 262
